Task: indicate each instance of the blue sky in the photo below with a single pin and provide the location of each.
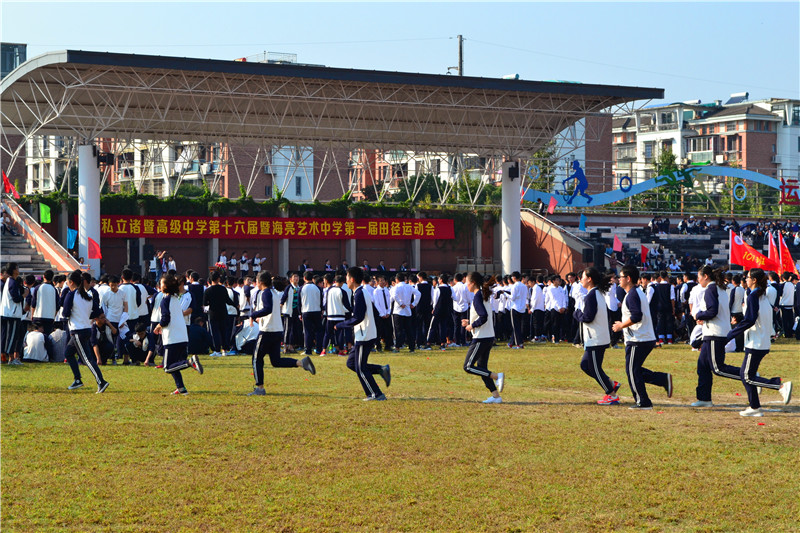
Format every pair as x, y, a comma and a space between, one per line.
692, 50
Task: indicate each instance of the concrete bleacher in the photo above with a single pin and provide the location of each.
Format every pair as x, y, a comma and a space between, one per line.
714, 244
17, 249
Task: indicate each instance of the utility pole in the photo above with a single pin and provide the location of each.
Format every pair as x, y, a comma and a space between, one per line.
460, 55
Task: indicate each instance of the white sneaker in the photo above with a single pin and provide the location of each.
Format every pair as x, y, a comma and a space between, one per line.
786, 392
500, 381
751, 412
492, 399
702, 403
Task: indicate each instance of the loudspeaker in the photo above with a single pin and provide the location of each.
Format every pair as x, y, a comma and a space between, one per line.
513, 171
149, 251
588, 255
599, 255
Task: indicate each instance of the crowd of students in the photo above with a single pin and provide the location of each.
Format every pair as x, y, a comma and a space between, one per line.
355, 312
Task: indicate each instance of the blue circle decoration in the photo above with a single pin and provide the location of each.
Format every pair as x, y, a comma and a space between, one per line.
740, 197
623, 186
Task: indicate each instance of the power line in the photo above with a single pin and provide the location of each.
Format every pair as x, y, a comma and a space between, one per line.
634, 69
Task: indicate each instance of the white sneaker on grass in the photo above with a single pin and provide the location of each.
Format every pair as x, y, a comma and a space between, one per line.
492, 399
786, 392
751, 412
702, 403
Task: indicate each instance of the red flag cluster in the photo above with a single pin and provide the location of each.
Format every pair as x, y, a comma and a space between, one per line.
779, 259
8, 187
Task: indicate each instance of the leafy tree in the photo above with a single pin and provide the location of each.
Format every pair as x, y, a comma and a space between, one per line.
189, 190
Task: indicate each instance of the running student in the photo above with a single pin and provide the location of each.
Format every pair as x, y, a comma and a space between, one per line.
757, 328
80, 308
640, 339
267, 312
481, 325
365, 334
172, 328
592, 315
713, 313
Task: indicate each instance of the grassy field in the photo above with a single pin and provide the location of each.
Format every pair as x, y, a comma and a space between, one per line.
311, 456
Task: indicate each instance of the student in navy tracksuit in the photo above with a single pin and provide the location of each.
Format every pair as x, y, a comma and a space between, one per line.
757, 328
174, 337
365, 333
12, 303
441, 327
80, 308
592, 315
267, 312
640, 339
481, 324
713, 313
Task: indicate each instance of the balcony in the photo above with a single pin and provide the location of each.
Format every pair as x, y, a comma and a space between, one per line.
701, 157
667, 127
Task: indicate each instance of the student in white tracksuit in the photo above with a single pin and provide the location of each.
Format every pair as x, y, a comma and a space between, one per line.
365, 333
713, 313
640, 339
481, 325
757, 328
592, 315
267, 312
80, 308
174, 336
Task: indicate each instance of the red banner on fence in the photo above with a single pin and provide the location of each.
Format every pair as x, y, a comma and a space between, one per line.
119, 226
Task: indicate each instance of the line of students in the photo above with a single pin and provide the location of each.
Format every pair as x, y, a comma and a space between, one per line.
710, 309
173, 305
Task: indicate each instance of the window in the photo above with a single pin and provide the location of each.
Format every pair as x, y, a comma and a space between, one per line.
648, 150
773, 148
730, 126
798, 143
298, 186
268, 191
796, 116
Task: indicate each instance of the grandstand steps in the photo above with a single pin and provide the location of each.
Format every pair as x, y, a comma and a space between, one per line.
16, 248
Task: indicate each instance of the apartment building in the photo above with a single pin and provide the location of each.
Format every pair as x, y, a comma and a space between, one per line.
762, 135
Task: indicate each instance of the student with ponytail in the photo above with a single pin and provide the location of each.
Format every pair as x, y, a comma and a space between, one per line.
713, 314
174, 335
481, 325
592, 315
80, 307
757, 328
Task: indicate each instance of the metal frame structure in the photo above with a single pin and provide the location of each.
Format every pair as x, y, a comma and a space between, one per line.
93, 95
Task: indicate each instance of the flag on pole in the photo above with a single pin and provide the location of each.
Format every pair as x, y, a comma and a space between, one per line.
745, 255
94, 250
617, 244
582, 223
773, 254
551, 207
72, 238
644, 251
44, 213
787, 263
8, 187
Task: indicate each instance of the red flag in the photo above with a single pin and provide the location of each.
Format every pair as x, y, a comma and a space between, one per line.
617, 244
787, 263
552, 205
745, 255
773, 253
94, 250
644, 253
8, 187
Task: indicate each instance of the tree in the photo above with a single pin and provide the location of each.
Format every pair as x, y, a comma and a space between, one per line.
189, 190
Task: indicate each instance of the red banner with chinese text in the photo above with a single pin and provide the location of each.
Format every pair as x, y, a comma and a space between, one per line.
128, 227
